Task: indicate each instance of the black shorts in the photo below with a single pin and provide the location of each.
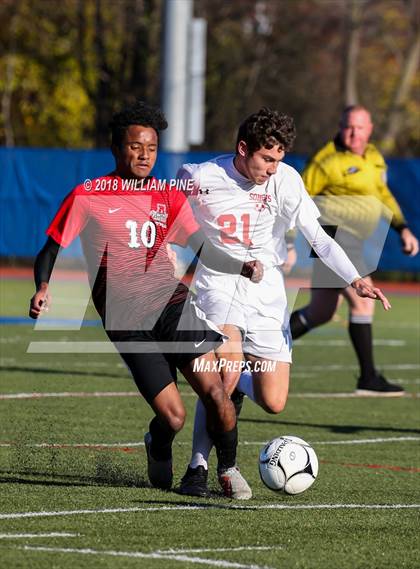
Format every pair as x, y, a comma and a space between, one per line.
323, 277
178, 335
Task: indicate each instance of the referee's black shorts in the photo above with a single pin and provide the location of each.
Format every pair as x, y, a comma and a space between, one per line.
179, 335
323, 277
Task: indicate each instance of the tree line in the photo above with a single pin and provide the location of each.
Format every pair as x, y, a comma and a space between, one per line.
66, 66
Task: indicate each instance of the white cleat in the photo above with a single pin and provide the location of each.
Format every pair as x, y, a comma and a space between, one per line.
234, 484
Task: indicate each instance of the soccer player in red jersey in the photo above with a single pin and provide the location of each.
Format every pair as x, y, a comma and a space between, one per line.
125, 221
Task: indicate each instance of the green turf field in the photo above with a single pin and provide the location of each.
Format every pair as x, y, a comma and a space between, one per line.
74, 489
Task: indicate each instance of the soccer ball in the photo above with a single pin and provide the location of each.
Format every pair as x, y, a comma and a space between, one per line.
288, 464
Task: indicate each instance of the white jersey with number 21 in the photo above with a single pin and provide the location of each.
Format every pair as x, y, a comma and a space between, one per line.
247, 220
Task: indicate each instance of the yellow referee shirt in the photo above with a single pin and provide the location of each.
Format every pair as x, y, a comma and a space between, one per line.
351, 190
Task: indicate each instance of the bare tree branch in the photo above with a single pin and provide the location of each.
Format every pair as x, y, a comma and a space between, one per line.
401, 94
6, 100
355, 19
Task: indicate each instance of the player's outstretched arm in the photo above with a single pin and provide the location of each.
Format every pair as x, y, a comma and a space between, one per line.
43, 267
218, 260
332, 255
364, 289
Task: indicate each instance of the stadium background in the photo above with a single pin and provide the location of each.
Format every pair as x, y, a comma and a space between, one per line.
62, 79
34, 182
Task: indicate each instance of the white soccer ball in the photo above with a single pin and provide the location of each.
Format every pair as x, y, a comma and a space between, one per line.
288, 464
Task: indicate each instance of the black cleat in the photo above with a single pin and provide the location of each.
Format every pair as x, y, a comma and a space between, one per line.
378, 386
159, 471
194, 482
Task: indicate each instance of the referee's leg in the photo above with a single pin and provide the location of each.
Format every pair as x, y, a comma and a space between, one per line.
320, 310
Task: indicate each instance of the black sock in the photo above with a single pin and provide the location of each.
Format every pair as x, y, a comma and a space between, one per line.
162, 438
237, 399
226, 445
298, 326
361, 337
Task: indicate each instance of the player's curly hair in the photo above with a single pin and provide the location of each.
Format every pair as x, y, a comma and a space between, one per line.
140, 113
267, 128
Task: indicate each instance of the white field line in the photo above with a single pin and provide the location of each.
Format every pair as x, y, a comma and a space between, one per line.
182, 443
368, 441
152, 555
344, 343
345, 395
35, 535
185, 443
84, 394
46, 363
220, 549
415, 381
44, 514
36, 395
10, 339
340, 367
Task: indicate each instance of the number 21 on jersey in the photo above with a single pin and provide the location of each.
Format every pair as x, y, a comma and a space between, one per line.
233, 230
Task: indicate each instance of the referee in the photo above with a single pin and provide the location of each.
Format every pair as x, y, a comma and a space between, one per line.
347, 178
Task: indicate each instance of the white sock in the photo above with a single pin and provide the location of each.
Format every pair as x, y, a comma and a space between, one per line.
202, 443
245, 385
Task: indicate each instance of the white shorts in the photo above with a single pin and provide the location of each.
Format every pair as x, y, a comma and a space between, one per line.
258, 309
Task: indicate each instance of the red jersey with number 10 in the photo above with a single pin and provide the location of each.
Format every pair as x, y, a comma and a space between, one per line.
124, 233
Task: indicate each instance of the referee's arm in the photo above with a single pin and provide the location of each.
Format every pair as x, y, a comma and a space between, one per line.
409, 242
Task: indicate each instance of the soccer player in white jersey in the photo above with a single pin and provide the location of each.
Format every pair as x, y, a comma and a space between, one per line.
245, 203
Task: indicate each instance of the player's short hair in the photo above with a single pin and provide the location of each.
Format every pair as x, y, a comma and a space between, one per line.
351, 109
267, 128
139, 113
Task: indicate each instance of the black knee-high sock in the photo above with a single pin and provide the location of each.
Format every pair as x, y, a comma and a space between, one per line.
237, 399
226, 445
298, 325
361, 337
162, 438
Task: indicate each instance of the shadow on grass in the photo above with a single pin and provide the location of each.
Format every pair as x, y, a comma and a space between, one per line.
203, 503
49, 467
341, 429
125, 480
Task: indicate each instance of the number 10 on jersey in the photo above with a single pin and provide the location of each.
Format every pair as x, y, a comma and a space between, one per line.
147, 234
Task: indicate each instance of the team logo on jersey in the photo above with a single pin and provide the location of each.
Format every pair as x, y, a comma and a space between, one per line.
261, 206
352, 170
261, 200
159, 214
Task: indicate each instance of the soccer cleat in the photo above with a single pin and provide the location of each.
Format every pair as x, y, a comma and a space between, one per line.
194, 482
159, 471
378, 386
234, 484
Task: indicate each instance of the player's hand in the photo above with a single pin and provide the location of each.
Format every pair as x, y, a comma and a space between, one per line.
40, 302
253, 270
364, 289
290, 262
409, 242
